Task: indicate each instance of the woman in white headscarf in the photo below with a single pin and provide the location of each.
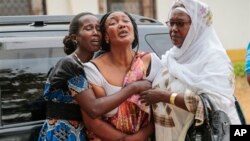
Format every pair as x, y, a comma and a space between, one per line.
196, 64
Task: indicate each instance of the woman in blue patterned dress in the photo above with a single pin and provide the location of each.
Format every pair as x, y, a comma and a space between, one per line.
67, 79
66, 90
248, 64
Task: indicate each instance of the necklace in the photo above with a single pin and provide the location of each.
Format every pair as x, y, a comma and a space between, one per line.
78, 58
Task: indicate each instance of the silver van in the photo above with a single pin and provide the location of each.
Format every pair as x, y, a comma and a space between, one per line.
29, 47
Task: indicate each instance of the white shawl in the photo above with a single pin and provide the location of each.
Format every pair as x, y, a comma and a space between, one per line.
201, 62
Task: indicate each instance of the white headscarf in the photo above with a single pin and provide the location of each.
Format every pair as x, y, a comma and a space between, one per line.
201, 62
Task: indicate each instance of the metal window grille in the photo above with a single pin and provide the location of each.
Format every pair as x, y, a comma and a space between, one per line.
140, 7
22, 7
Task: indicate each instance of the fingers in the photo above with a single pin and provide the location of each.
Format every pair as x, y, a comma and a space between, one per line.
144, 102
143, 95
144, 99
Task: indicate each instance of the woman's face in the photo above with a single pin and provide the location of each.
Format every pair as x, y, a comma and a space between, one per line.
119, 29
89, 36
179, 25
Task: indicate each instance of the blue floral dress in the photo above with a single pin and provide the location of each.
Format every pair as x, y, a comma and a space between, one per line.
65, 80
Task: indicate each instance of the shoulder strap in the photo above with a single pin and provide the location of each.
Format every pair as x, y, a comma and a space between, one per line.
136, 70
95, 65
240, 112
141, 54
206, 116
209, 101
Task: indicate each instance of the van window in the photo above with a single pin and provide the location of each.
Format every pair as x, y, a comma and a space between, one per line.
24, 63
159, 43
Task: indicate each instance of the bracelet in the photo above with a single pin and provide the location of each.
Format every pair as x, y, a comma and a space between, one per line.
172, 98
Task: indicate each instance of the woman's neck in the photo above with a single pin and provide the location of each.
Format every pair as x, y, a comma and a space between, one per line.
84, 56
122, 56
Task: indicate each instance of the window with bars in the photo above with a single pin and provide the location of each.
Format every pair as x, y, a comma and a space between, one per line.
139, 7
22, 7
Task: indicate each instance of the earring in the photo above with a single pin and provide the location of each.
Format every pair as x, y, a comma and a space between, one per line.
75, 42
107, 41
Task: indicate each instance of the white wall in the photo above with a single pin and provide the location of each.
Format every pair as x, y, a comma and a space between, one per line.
231, 20
162, 9
84, 6
71, 7
58, 7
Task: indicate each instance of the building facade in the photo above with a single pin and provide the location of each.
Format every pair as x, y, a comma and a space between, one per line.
231, 17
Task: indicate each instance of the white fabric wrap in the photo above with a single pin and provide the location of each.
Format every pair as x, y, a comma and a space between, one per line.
202, 62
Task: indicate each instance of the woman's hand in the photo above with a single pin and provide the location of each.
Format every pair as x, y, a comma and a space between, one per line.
153, 96
91, 136
143, 133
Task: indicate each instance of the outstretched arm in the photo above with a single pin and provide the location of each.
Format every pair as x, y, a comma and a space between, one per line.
156, 95
98, 126
97, 107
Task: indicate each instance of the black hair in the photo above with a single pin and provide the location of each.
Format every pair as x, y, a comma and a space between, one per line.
106, 46
69, 41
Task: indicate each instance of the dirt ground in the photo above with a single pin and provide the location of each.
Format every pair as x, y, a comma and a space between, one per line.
243, 96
